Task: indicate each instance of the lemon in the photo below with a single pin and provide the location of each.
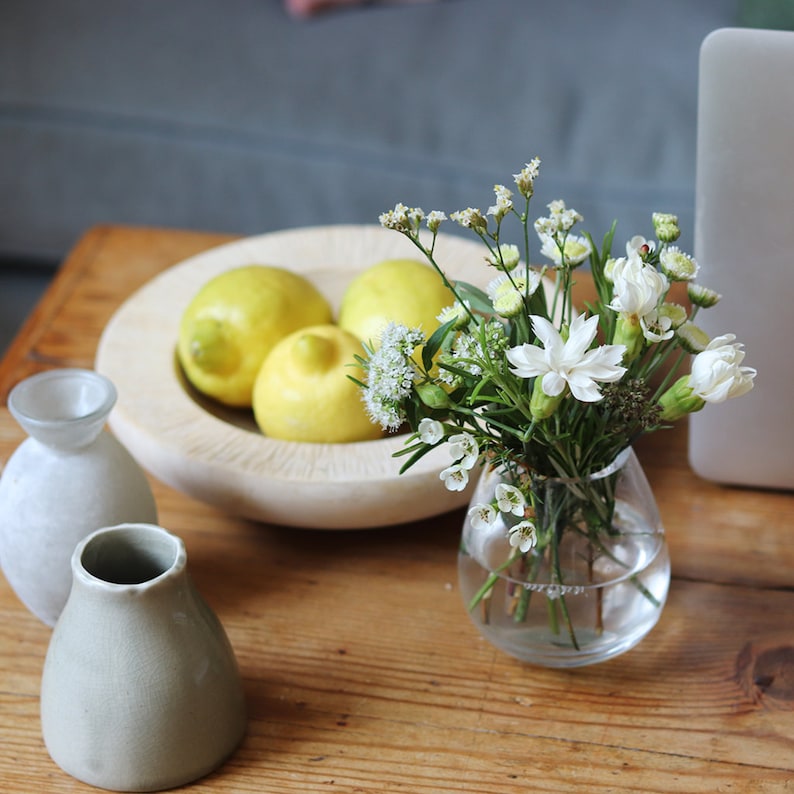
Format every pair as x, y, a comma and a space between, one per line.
303, 392
404, 291
234, 321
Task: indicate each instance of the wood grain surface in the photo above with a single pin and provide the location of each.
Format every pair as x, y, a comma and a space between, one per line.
362, 670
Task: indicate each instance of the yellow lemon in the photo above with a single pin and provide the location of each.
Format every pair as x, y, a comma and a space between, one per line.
303, 392
404, 291
234, 321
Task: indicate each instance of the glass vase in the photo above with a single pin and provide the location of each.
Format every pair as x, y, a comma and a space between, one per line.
586, 575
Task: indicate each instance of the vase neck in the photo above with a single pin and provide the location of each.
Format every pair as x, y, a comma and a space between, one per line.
63, 408
128, 558
619, 462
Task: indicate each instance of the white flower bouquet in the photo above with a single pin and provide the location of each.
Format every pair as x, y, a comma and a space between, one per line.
516, 379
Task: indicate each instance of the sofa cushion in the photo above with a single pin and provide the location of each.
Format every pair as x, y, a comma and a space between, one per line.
238, 118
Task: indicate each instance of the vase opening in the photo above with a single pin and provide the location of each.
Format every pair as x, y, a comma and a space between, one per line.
130, 554
63, 407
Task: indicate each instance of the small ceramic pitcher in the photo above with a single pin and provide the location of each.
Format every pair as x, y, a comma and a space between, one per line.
140, 690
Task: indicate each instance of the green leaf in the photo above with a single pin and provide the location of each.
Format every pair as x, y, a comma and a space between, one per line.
433, 344
477, 298
419, 452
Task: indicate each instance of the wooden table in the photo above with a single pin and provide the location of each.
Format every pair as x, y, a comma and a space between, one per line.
362, 671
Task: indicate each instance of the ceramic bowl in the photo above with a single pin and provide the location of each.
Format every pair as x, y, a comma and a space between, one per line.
217, 455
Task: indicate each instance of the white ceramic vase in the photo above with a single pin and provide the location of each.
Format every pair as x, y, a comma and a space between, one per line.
140, 690
67, 479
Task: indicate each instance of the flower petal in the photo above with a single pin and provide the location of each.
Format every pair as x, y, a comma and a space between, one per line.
553, 383
482, 516
527, 360
580, 336
603, 363
584, 388
548, 334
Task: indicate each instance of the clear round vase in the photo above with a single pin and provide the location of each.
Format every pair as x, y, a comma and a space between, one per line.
588, 580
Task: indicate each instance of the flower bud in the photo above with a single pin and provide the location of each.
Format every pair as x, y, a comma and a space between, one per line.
676, 313
508, 302
692, 337
679, 400
668, 233
702, 296
609, 268
541, 406
666, 227
628, 332
432, 395
506, 258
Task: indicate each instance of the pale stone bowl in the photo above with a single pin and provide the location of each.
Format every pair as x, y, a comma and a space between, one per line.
219, 456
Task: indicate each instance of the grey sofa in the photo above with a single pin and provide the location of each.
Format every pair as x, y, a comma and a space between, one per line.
229, 115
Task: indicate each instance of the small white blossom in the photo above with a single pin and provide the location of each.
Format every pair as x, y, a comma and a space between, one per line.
509, 499
639, 245
507, 301
464, 449
455, 477
556, 207
431, 431
717, 374
504, 202
402, 218
677, 265
390, 375
396, 219
656, 326
575, 249
564, 217
435, 219
553, 230
545, 227
470, 218
506, 258
524, 536
568, 363
568, 219
482, 516
638, 290
525, 179
459, 312
507, 291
